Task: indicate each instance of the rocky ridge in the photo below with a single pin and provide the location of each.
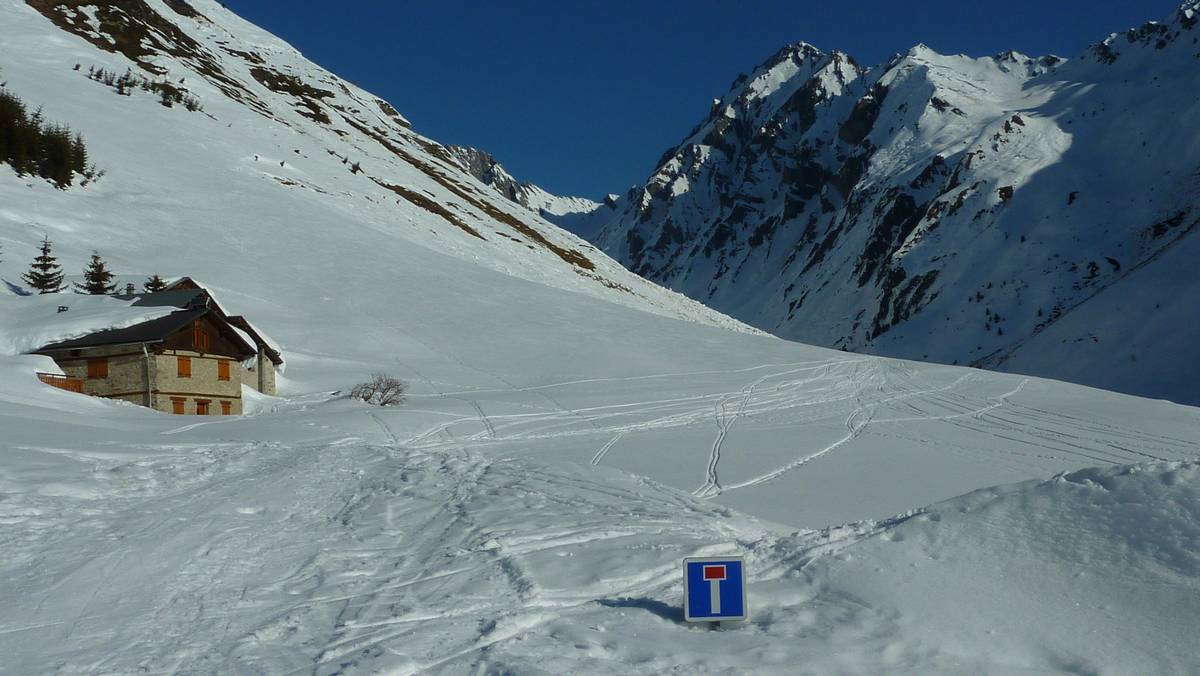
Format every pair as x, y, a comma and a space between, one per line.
940, 207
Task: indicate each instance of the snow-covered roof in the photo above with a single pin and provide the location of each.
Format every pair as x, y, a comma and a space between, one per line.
257, 338
34, 321
153, 331
71, 321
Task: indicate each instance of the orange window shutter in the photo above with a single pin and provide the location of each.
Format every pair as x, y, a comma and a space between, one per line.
185, 367
201, 408
177, 406
226, 407
223, 370
97, 368
199, 337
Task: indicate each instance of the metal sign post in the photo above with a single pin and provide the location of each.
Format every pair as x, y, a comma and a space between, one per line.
714, 589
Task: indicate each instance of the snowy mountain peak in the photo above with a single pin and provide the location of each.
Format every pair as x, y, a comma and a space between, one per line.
1152, 36
1030, 66
795, 53
942, 207
921, 50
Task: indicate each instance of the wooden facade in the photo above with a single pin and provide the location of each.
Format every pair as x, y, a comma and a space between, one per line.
62, 382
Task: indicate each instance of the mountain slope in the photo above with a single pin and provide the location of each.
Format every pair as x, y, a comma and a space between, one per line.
564, 443
578, 215
942, 207
287, 135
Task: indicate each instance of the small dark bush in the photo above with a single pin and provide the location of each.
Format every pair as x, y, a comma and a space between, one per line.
380, 390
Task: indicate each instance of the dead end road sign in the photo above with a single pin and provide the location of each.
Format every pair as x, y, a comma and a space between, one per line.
714, 588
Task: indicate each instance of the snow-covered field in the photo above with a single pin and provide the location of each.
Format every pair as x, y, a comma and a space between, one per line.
565, 443
526, 510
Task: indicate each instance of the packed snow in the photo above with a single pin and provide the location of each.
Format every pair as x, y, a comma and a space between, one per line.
447, 536
564, 444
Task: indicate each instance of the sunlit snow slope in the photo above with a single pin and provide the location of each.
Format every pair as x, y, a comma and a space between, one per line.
284, 160
567, 438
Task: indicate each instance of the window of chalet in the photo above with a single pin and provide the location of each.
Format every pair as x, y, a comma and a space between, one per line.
199, 337
226, 407
202, 406
97, 369
222, 369
177, 405
184, 367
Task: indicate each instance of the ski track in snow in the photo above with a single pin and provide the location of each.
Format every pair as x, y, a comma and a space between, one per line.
338, 557
725, 423
596, 459
870, 386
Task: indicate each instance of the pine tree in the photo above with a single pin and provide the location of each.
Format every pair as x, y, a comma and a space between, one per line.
54, 161
45, 274
154, 284
32, 146
79, 154
96, 278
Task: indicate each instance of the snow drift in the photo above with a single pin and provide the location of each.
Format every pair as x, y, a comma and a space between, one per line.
1055, 575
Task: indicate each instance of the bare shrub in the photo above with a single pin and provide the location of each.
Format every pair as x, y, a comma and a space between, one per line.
380, 390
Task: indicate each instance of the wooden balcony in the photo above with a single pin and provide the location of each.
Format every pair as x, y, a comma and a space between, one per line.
62, 382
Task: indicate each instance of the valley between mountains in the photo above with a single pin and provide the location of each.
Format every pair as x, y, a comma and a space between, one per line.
572, 430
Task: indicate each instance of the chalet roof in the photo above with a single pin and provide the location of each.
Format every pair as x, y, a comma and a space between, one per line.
241, 323
183, 283
184, 299
153, 331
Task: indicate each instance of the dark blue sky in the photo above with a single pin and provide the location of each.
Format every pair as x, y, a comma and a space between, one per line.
582, 96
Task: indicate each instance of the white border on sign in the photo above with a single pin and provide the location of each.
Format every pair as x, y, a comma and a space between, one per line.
716, 560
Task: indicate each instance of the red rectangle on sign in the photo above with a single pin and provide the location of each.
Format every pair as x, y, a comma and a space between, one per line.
714, 572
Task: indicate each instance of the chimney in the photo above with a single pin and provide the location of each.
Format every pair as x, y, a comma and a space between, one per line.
130, 289
62, 308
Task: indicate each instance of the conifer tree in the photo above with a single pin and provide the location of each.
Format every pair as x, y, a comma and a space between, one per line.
31, 146
96, 278
45, 274
54, 161
79, 154
154, 284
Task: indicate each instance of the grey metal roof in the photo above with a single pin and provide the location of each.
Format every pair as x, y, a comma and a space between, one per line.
187, 299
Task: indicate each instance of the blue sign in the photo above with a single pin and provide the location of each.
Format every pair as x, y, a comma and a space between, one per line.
714, 589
